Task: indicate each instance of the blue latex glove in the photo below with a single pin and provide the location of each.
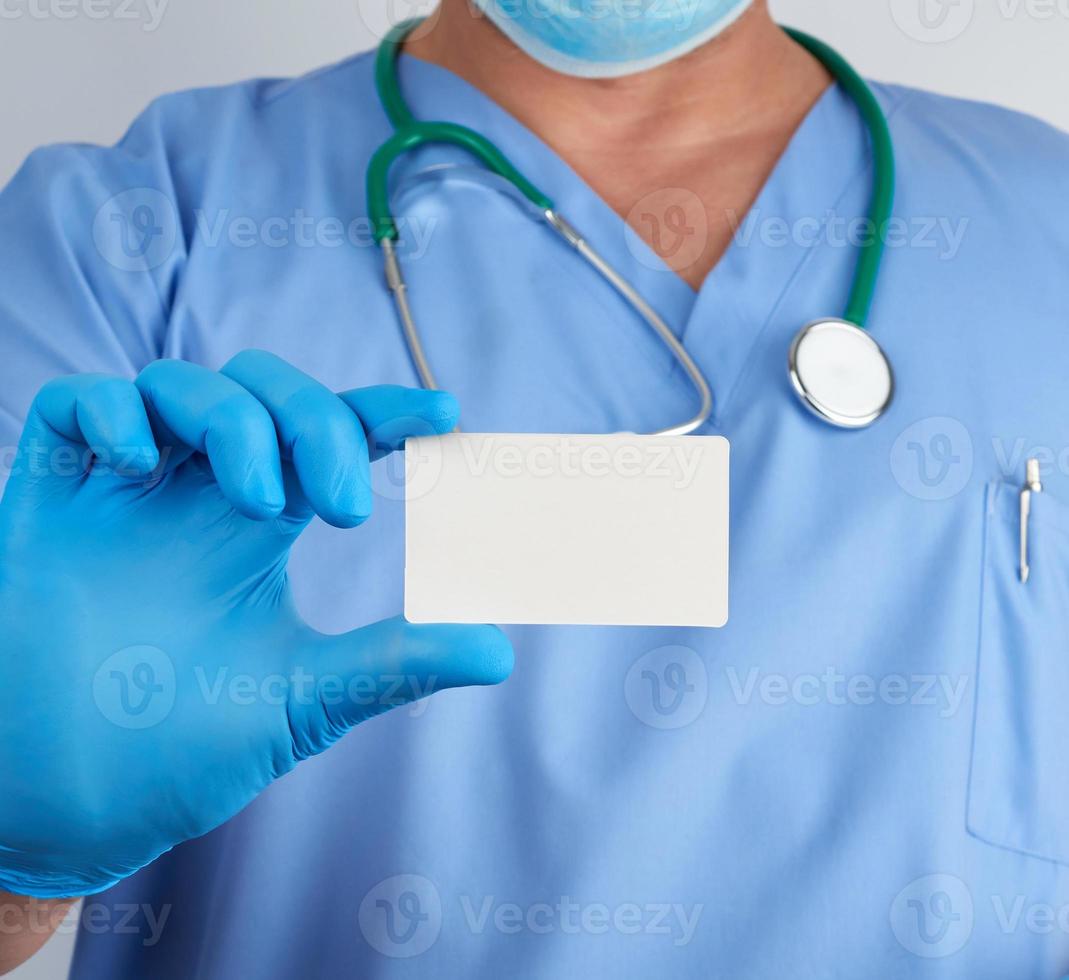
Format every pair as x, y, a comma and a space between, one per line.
127, 584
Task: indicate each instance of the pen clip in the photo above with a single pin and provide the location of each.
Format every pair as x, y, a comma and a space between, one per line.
1032, 484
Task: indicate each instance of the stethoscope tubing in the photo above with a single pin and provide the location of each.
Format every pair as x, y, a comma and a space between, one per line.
410, 133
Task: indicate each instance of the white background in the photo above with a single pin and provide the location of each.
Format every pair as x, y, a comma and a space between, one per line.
67, 75
82, 69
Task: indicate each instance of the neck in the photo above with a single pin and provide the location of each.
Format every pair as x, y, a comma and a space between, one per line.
686, 146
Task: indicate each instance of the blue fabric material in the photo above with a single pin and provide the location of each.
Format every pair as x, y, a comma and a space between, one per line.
594, 39
854, 778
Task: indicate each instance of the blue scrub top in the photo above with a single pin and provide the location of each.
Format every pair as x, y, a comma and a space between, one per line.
865, 774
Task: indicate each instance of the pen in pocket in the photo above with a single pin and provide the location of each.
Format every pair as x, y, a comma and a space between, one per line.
1032, 485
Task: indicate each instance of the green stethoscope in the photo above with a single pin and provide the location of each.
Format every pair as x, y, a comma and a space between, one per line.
835, 366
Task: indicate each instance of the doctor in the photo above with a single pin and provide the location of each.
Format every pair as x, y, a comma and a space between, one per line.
863, 775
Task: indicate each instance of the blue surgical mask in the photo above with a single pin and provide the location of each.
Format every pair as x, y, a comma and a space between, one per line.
608, 38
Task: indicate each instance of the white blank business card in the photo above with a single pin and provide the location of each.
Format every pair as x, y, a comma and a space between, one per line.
604, 530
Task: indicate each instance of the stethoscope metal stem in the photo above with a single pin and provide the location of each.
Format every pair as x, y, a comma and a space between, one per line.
568, 232
395, 280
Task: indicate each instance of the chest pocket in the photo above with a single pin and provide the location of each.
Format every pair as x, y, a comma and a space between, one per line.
1019, 779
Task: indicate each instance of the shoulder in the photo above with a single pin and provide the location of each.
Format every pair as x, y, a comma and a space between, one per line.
977, 286
275, 116
182, 138
981, 144
329, 86
106, 231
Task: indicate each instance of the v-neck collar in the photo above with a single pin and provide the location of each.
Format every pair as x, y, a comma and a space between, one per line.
723, 320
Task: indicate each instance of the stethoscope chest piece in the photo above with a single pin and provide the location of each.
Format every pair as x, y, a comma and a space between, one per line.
840, 373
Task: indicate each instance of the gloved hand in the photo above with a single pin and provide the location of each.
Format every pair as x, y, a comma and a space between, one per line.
126, 584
